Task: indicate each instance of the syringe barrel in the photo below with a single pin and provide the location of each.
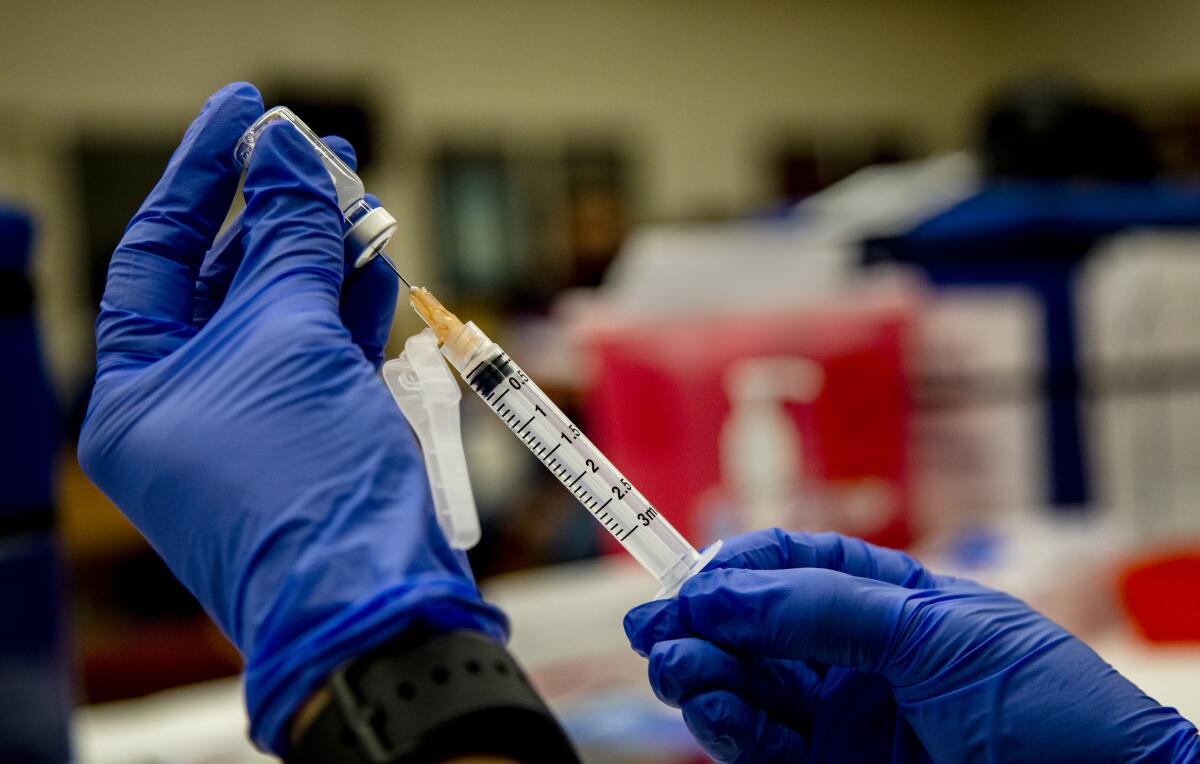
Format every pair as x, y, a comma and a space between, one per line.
590, 477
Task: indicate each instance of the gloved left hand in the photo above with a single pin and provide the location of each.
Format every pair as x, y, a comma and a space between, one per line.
794, 647
238, 421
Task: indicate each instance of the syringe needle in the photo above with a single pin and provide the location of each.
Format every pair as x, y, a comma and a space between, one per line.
387, 261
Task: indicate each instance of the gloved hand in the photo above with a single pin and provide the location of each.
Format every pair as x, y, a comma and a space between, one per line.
794, 647
238, 421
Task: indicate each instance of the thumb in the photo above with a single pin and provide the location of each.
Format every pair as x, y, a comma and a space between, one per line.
292, 226
797, 614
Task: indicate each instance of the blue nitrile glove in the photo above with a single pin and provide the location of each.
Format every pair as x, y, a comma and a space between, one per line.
238, 421
793, 648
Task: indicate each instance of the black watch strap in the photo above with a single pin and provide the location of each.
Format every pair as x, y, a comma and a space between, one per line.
453, 694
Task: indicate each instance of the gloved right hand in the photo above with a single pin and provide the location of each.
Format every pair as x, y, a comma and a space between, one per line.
237, 419
793, 648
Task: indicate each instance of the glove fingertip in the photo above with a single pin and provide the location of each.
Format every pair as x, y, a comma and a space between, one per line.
765, 549
709, 715
238, 96
225, 115
650, 623
680, 667
246, 95
662, 682
632, 623
240, 89
707, 582
343, 148
282, 150
284, 164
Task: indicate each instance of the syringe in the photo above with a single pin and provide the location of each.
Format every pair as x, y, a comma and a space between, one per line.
507, 390
562, 447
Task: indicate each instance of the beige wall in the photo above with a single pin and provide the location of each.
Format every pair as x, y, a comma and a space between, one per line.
697, 80
1127, 46
695, 85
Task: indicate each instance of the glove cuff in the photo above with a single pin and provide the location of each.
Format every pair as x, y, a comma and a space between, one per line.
277, 682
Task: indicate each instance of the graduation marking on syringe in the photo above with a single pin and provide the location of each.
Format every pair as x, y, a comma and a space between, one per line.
526, 423
661, 550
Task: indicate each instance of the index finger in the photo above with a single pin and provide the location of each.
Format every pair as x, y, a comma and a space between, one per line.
775, 549
151, 280
804, 614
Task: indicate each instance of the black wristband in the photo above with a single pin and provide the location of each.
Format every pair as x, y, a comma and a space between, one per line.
453, 694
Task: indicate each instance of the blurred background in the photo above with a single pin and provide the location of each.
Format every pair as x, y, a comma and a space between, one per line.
921, 272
